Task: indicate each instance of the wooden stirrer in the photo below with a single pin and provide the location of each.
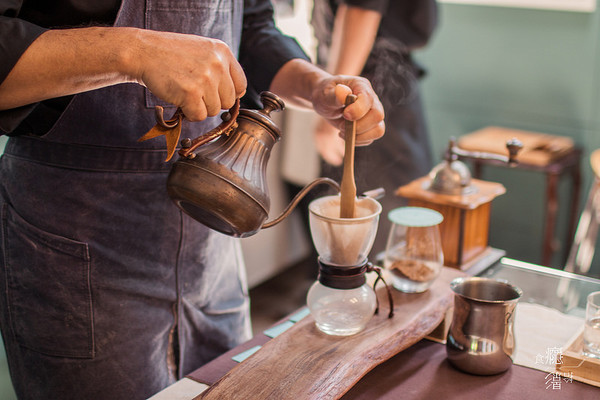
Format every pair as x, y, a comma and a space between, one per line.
348, 186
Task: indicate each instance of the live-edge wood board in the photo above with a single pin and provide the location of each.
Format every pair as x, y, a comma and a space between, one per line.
304, 363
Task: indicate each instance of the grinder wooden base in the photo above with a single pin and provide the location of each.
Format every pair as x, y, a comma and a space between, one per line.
466, 224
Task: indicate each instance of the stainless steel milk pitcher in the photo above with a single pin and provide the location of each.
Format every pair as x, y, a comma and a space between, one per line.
481, 339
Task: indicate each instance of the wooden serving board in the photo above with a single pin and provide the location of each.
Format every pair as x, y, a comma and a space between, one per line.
304, 363
577, 366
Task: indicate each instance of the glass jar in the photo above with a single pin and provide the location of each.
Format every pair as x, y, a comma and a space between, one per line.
414, 254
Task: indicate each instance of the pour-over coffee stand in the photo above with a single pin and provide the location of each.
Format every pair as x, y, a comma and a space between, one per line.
305, 363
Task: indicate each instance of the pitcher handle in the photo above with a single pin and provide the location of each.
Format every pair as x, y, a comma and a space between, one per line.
299, 197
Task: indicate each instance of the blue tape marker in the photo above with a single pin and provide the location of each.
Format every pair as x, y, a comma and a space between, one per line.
245, 354
300, 314
278, 329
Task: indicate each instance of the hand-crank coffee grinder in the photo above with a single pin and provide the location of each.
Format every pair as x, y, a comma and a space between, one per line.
465, 203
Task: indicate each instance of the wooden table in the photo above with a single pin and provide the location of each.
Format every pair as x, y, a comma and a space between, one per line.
568, 164
422, 370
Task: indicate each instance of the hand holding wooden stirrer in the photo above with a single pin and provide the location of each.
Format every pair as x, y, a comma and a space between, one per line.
348, 186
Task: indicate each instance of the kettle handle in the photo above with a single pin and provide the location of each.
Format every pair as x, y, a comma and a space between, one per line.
229, 123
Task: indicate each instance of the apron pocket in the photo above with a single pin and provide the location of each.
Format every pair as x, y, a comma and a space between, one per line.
48, 289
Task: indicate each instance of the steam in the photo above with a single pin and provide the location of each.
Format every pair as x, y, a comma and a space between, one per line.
391, 71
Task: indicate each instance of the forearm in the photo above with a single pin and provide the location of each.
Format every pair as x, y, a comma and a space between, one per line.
296, 81
354, 33
69, 61
198, 74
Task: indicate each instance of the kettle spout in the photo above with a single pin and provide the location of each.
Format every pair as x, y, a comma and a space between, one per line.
303, 192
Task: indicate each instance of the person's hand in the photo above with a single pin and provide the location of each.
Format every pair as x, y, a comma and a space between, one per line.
328, 100
198, 74
329, 144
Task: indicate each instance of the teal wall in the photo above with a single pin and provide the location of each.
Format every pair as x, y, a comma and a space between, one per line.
520, 68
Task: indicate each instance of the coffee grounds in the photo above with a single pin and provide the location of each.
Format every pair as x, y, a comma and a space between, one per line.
413, 269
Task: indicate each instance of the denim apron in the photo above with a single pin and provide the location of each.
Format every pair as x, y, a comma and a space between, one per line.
108, 290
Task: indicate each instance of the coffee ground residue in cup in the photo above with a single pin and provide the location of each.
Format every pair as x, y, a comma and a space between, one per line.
413, 270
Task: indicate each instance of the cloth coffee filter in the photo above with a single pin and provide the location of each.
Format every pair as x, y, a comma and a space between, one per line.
343, 241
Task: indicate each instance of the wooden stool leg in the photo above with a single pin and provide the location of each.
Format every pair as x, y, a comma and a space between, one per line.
550, 223
477, 168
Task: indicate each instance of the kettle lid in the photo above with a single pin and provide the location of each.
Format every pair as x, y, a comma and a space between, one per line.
271, 102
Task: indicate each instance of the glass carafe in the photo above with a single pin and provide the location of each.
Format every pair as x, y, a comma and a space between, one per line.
341, 312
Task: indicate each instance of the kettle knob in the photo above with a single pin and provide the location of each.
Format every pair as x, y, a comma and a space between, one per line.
271, 102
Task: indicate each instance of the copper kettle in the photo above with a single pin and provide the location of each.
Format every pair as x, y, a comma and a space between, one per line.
220, 177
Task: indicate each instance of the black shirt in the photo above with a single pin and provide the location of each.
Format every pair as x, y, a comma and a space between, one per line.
21, 22
412, 22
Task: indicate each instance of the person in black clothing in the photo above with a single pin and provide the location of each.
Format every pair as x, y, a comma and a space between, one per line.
375, 39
